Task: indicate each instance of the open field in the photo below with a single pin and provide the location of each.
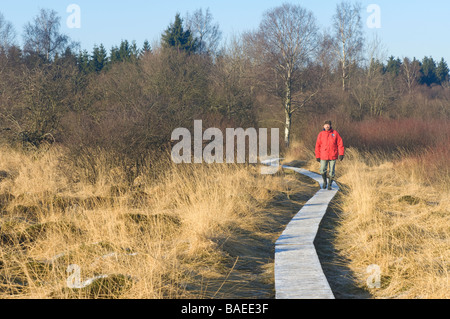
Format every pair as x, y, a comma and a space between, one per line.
93, 206
396, 219
207, 231
393, 212
192, 231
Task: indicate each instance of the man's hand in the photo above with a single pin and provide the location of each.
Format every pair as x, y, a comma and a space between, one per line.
341, 157
318, 160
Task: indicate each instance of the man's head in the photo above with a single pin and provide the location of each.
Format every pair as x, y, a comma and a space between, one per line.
327, 125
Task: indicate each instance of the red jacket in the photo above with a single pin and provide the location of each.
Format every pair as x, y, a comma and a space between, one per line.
329, 145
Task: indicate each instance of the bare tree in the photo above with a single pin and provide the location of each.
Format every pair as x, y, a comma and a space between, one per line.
375, 53
204, 30
43, 37
372, 94
349, 40
284, 45
231, 84
7, 34
410, 73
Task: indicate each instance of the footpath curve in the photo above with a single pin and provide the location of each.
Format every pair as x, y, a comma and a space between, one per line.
298, 272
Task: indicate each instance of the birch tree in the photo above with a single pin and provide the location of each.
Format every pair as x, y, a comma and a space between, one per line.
283, 45
347, 26
205, 31
410, 73
7, 33
43, 36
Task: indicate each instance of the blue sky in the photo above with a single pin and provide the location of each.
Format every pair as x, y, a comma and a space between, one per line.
410, 28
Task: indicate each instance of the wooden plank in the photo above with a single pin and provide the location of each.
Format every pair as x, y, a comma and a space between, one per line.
298, 272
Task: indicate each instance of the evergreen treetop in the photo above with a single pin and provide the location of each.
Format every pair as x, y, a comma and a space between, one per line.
175, 36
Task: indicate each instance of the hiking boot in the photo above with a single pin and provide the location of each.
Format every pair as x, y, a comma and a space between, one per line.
330, 181
324, 176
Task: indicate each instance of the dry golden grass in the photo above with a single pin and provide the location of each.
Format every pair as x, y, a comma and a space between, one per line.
201, 230
395, 213
161, 237
297, 152
395, 219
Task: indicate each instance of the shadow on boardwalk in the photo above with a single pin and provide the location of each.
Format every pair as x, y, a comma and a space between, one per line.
340, 278
248, 269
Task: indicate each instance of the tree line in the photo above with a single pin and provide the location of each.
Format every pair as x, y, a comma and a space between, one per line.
129, 99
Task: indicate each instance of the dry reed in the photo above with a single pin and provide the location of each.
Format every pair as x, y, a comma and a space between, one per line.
155, 238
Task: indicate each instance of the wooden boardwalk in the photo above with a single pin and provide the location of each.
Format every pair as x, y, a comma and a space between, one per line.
298, 272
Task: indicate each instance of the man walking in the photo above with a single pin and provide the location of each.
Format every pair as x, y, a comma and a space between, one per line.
329, 148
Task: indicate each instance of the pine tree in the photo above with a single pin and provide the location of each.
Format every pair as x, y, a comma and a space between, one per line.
393, 66
114, 55
83, 61
176, 37
99, 58
442, 72
429, 71
134, 51
124, 51
146, 48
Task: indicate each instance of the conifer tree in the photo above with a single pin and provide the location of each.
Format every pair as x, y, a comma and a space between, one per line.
393, 66
114, 55
429, 71
83, 61
133, 52
99, 58
146, 48
176, 37
442, 72
124, 51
